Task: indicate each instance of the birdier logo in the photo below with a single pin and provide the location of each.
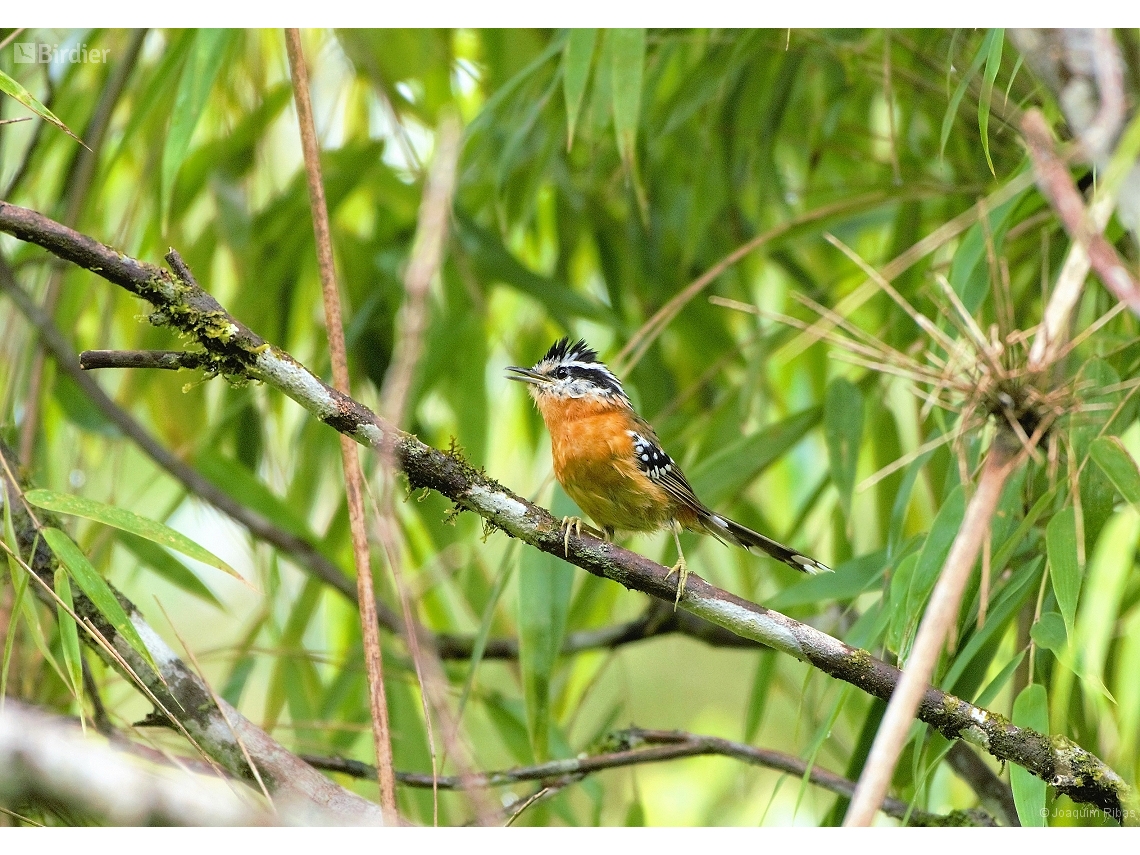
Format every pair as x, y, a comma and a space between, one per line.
45, 53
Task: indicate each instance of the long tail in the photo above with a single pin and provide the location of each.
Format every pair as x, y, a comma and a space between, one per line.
734, 532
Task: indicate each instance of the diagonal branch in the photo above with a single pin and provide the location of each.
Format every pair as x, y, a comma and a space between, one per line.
235, 350
306, 554
941, 612
45, 759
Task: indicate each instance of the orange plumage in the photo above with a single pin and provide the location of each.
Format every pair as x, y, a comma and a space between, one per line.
595, 462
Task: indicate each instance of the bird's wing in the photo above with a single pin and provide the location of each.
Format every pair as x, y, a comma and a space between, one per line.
663, 469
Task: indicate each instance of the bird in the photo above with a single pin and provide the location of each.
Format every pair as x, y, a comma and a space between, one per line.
611, 463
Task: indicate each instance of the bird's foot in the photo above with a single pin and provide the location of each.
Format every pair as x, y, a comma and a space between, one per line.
567, 524
682, 569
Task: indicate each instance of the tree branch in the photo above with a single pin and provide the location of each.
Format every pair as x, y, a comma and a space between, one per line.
634, 746
995, 794
237, 351
48, 760
306, 554
169, 360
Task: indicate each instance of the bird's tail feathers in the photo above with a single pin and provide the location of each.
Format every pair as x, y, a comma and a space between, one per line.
734, 532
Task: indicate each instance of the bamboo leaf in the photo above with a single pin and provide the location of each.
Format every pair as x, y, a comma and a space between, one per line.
726, 472
544, 599
483, 633
843, 427
124, 520
850, 579
12, 87
993, 63
167, 566
1064, 572
96, 589
930, 561
576, 74
628, 53
69, 636
202, 66
1114, 460
19, 588
1049, 632
21, 582
1031, 709
960, 90
1005, 604
758, 697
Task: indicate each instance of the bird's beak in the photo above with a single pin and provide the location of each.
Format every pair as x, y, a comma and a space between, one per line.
526, 375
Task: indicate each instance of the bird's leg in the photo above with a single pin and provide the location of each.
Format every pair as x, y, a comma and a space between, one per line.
681, 568
567, 524
608, 531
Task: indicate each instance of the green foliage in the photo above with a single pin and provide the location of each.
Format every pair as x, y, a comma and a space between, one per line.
602, 173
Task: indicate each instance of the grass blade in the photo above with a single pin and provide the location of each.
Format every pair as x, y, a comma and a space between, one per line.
956, 98
69, 637
843, 427
628, 53
544, 600
1114, 460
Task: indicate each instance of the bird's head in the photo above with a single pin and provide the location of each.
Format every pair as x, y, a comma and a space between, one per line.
570, 370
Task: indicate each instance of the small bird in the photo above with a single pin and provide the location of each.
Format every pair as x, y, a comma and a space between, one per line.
610, 462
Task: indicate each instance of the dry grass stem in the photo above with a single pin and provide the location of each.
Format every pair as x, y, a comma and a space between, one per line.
366, 597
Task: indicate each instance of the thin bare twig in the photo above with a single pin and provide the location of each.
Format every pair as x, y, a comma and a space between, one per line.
366, 597
640, 341
907, 259
218, 702
634, 746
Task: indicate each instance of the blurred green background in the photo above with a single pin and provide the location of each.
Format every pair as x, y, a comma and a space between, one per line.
601, 173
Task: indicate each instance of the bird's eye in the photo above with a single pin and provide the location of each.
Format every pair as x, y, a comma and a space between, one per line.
562, 373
